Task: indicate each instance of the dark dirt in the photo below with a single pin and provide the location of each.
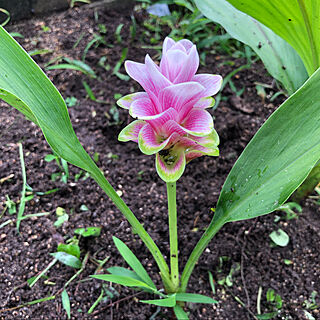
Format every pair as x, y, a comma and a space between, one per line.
246, 243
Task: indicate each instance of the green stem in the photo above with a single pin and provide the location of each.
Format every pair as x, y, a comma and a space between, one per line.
172, 212
136, 225
197, 251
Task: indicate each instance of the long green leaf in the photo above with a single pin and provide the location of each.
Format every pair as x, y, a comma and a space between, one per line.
296, 21
277, 159
180, 313
66, 302
24, 86
67, 259
280, 59
272, 166
124, 281
133, 262
120, 271
194, 297
166, 302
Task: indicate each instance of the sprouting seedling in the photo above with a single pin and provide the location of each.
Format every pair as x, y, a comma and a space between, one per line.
117, 33
63, 166
289, 209
74, 65
119, 64
97, 40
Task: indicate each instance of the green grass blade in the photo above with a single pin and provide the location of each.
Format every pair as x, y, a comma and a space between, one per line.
124, 281
180, 313
133, 262
66, 302
194, 298
23, 192
120, 271
166, 302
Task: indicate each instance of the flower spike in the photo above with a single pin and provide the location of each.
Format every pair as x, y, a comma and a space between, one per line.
172, 119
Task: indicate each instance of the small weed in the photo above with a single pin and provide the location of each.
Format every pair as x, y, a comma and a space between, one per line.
45, 28
71, 101
97, 40
274, 305
311, 303
288, 208
62, 217
279, 238
117, 33
63, 174
10, 205
119, 64
73, 65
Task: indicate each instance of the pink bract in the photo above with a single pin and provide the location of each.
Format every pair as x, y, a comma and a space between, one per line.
171, 118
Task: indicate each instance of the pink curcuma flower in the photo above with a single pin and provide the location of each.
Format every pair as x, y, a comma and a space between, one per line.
171, 118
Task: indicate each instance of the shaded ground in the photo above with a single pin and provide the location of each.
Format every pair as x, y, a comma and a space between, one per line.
246, 244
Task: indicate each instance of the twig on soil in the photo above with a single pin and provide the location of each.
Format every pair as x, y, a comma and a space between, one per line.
236, 298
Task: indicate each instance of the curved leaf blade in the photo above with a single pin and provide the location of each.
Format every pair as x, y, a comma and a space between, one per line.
296, 21
24, 86
67, 259
277, 159
122, 280
166, 302
133, 262
280, 59
194, 298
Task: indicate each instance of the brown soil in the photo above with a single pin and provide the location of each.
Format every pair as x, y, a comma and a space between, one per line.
246, 243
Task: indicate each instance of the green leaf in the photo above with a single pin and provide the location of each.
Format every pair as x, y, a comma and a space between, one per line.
88, 232
280, 59
72, 249
279, 237
180, 313
67, 259
194, 298
133, 262
267, 316
74, 65
166, 302
61, 220
277, 159
124, 281
120, 271
24, 86
296, 21
36, 97
49, 157
66, 302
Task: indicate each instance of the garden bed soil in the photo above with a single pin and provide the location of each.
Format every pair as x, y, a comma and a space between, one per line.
245, 243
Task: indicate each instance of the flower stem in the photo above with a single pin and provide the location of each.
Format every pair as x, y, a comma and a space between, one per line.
136, 225
172, 212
